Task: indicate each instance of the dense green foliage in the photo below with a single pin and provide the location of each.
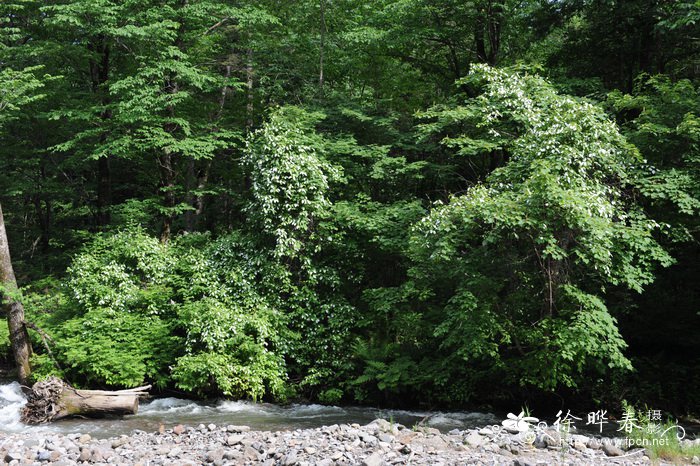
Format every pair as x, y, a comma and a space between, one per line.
385, 201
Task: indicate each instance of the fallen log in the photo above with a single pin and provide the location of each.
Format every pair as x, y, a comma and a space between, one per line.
52, 399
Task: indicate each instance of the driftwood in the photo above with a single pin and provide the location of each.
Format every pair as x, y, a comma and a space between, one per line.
53, 399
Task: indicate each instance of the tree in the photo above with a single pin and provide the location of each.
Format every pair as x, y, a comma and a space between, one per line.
17, 88
516, 271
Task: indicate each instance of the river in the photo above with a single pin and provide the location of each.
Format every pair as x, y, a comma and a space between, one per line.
261, 416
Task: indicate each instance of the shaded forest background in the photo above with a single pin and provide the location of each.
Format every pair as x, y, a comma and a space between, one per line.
396, 202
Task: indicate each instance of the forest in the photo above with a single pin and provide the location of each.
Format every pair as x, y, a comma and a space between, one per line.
434, 203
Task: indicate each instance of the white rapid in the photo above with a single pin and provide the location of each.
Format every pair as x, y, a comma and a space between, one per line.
11, 402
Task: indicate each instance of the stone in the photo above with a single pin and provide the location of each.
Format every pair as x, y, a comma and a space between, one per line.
380, 424
436, 442
215, 455
13, 455
474, 439
375, 459
493, 448
550, 438
593, 443
43, 456
178, 429
309, 450
384, 437
97, 456
486, 432
611, 449
163, 450
579, 446
55, 456
85, 438
174, 452
211, 427
85, 454
406, 437
368, 439
522, 462
123, 440
289, 460
695, 460
250, 454
234, 440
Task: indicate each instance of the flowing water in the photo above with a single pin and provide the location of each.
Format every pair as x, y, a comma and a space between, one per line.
264, 416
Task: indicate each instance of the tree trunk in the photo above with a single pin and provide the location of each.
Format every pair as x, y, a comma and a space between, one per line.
250, 76
52, 399
322, 50
19, 338
488, 26
104, 192
167, 170
99, 74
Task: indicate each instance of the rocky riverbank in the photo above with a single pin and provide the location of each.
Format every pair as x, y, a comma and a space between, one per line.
378, 443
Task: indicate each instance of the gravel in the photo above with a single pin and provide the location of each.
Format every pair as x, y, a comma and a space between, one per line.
379, 443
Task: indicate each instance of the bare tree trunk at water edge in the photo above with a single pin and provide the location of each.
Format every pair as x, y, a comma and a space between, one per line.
19, 338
